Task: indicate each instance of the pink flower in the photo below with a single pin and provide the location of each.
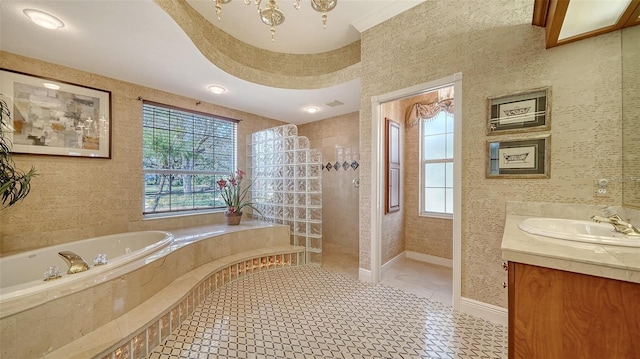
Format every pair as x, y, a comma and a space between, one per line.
232, 193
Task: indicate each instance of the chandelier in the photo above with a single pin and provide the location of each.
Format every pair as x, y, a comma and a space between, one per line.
271, 15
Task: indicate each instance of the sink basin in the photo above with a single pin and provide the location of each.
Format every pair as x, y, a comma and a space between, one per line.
575, 230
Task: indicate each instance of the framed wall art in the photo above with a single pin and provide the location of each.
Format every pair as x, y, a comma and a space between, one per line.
525, 158
520, 112
50, 117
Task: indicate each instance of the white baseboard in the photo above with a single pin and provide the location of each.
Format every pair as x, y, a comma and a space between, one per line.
364, 275
386, 266
485, 311
430, 259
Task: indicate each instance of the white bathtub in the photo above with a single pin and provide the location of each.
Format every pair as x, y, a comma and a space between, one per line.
22, 274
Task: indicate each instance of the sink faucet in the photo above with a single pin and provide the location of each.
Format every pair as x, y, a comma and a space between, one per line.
618, 224
75, 262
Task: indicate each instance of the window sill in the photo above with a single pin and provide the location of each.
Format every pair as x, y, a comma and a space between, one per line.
146, 217
435, 215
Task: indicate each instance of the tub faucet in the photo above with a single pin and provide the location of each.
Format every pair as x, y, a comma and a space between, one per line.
75, 262
618, 224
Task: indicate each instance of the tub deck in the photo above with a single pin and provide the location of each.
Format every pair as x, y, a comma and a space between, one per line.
132, 312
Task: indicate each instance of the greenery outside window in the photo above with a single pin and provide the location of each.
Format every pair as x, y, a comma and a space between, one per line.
184, 154
436, 159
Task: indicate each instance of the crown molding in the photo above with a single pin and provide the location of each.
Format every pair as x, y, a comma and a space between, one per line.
377, 17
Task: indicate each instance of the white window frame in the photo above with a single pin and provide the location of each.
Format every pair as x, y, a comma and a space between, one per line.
178, 172
422, 162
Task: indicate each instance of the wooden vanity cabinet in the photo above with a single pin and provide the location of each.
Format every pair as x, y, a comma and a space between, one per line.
554, 314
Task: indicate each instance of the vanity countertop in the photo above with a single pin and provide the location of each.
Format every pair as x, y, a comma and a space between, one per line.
614, 262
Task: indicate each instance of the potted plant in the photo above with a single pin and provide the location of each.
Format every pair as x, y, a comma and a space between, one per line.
14, 183
234, 197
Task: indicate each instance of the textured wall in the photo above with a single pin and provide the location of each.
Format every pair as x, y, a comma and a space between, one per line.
77, 198
425, 235
339, 197
498, 51
631, 115
393, 227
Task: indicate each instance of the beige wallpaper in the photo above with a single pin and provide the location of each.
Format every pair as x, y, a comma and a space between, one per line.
393, 226
497, 50
339, 197
631, 115
424, 235
77, 198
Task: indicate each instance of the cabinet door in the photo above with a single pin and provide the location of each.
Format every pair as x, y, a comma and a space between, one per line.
558, 314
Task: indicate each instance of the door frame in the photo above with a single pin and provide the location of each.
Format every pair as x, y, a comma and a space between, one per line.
377, 175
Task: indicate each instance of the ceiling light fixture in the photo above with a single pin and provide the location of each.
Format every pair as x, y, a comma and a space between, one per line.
311, 109
217, 89
272, 16
51, 86
43, 19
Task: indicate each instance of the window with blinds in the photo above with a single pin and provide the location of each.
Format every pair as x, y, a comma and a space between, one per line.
184, 154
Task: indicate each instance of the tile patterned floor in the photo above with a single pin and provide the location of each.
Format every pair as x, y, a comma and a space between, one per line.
309, 312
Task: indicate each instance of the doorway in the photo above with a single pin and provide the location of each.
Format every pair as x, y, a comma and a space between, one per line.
378, 174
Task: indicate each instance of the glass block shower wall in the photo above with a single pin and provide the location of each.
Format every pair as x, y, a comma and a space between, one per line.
287, 184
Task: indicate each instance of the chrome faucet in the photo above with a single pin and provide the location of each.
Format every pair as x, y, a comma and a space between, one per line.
618, 224
75, 262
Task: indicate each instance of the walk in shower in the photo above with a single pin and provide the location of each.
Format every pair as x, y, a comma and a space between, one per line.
287, 185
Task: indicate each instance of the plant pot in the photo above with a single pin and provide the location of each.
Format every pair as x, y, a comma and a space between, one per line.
233, 218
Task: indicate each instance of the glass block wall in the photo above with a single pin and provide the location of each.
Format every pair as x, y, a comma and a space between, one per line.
287, 184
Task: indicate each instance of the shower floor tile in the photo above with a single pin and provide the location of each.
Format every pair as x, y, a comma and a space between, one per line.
309, 312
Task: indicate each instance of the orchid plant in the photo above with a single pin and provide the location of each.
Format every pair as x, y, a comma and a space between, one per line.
233, 194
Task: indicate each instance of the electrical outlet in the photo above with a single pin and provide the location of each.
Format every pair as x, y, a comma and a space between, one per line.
600, 188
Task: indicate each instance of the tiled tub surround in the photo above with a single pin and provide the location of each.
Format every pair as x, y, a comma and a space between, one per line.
142, 337
21, 274
107, 316
614, 262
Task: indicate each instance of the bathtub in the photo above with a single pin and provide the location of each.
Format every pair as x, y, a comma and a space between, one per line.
22, 274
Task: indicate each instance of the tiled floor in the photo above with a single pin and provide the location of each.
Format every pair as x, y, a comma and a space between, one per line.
422, 279
311, 312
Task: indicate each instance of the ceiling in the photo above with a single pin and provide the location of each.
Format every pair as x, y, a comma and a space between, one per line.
137, 42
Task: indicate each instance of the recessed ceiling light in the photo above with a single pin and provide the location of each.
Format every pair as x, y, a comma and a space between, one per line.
217, 89
43, 19
311, 109
51, 86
